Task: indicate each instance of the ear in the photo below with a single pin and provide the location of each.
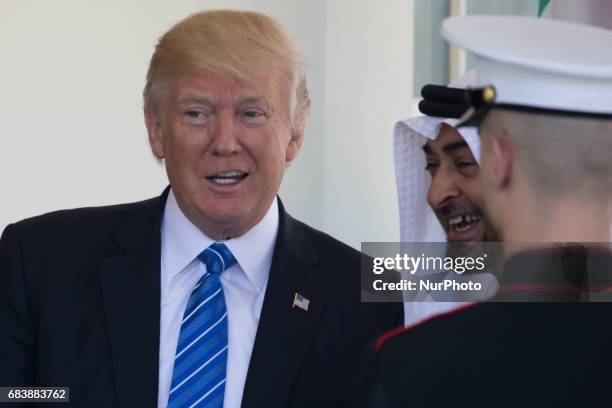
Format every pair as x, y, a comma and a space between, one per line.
297, 137
502, 155
154, 129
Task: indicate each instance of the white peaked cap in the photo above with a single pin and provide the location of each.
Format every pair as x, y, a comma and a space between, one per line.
539, 64
418, 222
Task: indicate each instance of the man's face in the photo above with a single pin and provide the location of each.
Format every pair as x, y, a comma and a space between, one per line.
454, 193
226, 145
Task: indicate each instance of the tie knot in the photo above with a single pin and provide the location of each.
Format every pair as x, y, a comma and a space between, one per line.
217, 258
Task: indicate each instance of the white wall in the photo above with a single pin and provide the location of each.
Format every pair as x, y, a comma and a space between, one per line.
71, 127
368, 85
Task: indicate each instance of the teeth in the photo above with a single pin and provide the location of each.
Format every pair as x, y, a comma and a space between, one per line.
455, 220
225, 180
228, 177
468, 219
230, 174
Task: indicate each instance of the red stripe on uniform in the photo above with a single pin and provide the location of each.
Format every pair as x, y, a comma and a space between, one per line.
380, 342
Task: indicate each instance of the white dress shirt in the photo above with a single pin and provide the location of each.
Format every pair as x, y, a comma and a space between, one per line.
244, 286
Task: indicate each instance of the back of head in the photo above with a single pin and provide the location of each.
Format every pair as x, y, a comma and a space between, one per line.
562, 156
234, 45
547, 133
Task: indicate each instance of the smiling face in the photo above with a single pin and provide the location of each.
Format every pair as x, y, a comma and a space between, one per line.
226, 145
455, 193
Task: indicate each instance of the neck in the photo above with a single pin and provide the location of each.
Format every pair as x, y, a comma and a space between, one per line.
561, 221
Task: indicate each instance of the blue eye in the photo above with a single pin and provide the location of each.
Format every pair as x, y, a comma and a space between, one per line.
193, 114
195, 117
253, 116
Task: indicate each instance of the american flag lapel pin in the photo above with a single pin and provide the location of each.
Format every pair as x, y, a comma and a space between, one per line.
301, 302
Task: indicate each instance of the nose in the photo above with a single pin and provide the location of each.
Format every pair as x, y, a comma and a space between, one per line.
224, 136
443, 187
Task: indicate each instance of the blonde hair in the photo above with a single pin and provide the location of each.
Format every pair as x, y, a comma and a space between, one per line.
231, 45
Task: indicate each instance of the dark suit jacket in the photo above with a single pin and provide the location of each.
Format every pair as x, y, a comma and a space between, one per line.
80, 307
546, 351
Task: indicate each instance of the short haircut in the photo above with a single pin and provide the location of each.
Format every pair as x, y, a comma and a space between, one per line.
561, 155
233, 45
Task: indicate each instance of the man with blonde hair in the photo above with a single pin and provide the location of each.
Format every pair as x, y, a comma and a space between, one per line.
211, 294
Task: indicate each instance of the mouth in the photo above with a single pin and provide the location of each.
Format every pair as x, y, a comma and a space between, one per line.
463, 227
228, 178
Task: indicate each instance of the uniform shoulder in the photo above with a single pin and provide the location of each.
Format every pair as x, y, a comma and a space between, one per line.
436, 324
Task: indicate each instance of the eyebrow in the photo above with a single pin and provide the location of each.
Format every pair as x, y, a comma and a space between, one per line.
427, 149
195, 99
255, 99
207, 100
449, 148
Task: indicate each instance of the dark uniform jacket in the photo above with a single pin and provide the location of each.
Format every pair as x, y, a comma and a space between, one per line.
550, 348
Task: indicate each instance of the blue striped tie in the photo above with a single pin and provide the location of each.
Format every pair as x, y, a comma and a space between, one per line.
198, 378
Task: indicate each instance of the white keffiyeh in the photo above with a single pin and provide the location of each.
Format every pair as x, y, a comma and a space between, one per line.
418, 223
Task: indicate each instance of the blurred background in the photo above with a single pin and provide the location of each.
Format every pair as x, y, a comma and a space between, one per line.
71, 76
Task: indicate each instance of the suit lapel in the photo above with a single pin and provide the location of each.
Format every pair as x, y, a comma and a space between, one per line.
285, 332
131, 293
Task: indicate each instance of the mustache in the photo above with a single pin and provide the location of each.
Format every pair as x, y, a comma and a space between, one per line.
455, 207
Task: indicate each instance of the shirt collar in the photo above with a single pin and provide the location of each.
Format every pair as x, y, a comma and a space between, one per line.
182, 242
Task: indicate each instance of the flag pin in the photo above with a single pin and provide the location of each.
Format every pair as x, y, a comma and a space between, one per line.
301, 302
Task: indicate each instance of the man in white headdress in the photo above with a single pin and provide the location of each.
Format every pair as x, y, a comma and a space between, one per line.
418, 221
438, 184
